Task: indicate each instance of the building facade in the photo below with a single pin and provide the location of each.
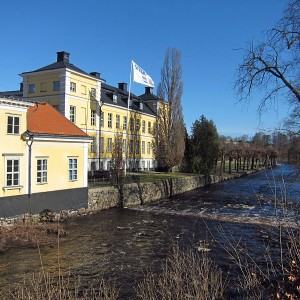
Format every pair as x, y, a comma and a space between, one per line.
98, 109
44, 158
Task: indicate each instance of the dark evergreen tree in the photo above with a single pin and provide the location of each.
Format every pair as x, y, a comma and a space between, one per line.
205, 146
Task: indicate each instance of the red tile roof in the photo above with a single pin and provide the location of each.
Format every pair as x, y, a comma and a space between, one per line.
42, 118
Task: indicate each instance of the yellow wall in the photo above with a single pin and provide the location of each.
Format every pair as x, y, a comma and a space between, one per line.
57, 151
136, 135
12, 144
57, 155
85, 103
43, 83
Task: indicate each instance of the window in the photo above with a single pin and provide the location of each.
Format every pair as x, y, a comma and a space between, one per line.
131, 146
13, 172
143, 126
109, 120
13, 124
124, 146
137, 147
137, 124
101, 144
43, 86
56, 85
102, 119
115, 98
118, 121
149, 127
83, 89
93, 145
109, 145
72, 169
143, 165
93, 92
124, 123
93, 165
73, 87
42, 171
131, 126
143, 147
93, 117
31, 88
148, 148
148, 164
72, 113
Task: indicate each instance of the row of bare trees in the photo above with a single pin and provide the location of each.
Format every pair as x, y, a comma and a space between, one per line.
243, 155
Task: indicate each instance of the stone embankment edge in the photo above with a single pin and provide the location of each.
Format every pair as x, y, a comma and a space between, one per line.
139, 193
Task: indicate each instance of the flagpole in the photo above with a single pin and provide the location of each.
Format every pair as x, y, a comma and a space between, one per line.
127, 119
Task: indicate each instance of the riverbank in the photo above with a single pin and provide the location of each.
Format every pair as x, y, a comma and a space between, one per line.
139, 193
136, 193
42, 230
26, 235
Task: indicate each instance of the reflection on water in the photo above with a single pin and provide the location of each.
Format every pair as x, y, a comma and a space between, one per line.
123, 244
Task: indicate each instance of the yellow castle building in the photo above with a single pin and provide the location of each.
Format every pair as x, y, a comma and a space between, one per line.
98, 109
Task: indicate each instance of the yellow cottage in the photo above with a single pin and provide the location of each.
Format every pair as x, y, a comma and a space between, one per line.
47, 168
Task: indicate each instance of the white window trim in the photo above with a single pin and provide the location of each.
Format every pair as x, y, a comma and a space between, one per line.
12, 157
72, 86
73, 114
93, 117
109, 145
13, 126
109, 120
72, 178
42, 171
124, 122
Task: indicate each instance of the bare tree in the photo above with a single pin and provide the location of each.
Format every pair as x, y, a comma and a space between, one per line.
273, 65
169, 135
118, 166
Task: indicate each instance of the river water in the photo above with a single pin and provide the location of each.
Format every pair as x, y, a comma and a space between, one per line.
122, 244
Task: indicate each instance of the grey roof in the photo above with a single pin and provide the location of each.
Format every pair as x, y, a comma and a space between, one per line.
149, 97
17, 94
59, 65
107, 92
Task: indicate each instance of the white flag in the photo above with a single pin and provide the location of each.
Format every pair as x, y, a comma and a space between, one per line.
140, 76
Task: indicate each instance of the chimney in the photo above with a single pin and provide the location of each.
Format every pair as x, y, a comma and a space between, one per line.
63, 56
95, 74
123, 86
148, 90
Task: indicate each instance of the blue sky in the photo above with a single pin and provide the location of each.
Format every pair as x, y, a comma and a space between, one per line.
104, 36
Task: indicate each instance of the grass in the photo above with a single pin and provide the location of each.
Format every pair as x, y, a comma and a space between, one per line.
150, 176
185, 275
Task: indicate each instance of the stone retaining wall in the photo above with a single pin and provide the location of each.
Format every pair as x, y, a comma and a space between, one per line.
141, 193
134, 194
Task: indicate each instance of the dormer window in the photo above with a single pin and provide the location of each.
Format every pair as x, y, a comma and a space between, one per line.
115, 98
141, 105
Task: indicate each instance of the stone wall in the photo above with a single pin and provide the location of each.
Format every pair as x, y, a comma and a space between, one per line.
141, 193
